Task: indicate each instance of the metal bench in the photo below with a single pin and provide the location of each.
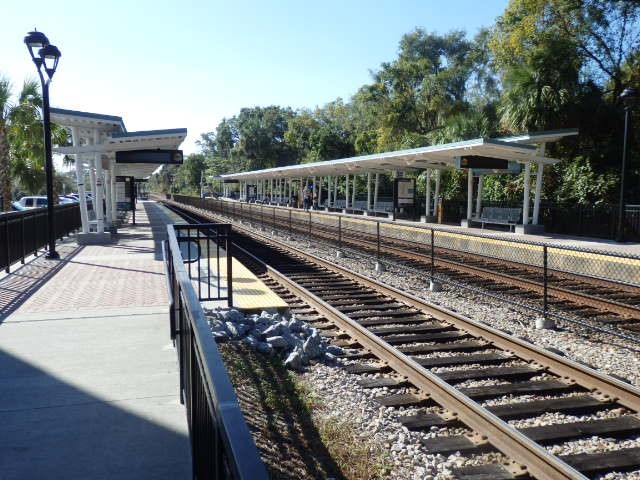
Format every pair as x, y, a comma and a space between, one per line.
499, 216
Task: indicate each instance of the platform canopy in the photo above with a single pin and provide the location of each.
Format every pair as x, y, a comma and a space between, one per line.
106, 134
520, 148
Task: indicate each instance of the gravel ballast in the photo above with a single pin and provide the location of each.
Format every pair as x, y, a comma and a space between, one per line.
322, 372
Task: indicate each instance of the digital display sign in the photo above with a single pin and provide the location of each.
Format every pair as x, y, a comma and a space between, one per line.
172, 157
476, 161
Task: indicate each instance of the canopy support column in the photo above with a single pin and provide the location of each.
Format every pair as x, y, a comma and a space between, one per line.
346, 199
436, 194
368, 191
107, 195
320, 192
335, 191
375, 192
539, 178
353, 194
479, 196
427, 203
329, 191
527, 192
84, 218
114, 198
469, 193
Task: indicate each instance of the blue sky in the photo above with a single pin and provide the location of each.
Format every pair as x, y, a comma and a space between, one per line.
170, 64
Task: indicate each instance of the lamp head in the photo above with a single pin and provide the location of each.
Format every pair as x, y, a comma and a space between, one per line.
49, 54
35, 41
630, 97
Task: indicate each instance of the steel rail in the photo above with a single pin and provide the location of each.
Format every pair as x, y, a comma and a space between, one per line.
536, 459
531, 457
505, 278
608, 387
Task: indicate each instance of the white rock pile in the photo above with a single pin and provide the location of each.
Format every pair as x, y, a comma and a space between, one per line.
271, 333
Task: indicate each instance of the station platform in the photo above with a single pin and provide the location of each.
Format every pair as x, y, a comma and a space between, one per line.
250, 294
88, 375
571, 241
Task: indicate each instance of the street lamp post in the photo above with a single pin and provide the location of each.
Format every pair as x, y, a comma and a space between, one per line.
629, 97
46, 58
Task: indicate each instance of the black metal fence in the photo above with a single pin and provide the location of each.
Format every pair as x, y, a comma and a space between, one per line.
551, 273
221, 444
600, 221
23, 233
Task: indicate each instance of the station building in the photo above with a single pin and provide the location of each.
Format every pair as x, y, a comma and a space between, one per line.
479, 157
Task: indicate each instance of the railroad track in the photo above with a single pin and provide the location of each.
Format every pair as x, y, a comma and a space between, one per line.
597, 300
479, 385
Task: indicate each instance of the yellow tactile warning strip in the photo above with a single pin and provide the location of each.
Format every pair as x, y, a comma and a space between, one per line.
249, 292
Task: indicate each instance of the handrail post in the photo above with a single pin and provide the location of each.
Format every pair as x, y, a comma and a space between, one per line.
8, 250
545, 280
229, 247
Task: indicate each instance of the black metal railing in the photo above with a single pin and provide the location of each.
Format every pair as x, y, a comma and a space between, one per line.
545, 264
23, 233
221, 444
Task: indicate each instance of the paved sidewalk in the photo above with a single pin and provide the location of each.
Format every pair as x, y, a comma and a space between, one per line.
88, 376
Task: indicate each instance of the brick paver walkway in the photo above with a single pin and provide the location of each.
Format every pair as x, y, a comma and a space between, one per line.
88, 376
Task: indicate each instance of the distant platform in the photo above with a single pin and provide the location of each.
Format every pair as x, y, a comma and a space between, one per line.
249, 292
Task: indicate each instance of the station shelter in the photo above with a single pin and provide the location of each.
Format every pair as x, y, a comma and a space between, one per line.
479, 157
116, 161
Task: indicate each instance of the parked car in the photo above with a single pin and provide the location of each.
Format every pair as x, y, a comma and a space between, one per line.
26, 203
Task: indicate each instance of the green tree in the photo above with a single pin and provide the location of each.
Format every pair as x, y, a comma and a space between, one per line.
5, 111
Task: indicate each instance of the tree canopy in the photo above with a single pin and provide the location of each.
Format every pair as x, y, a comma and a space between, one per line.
544, 64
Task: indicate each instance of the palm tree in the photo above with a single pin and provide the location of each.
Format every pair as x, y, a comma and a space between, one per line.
5, 178
26, 138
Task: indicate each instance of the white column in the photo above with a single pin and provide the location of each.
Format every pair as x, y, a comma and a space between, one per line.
469, 193
92, 180
436, 193
536, 202
84, 219
527, 191
335, 191
346, 197
329, 191
107, 195
375, 192
114, 198
427, 195
479, 196
320, 193
369, 191
353, 194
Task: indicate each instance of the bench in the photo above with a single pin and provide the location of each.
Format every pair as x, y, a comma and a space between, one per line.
499, 216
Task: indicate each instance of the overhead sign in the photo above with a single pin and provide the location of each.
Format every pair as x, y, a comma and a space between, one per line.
172, 157
514, 168
476, 161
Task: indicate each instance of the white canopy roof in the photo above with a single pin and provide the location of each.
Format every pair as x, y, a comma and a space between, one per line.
518, 149
113, 137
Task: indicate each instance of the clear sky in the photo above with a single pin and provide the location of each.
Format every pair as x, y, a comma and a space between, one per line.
190, 63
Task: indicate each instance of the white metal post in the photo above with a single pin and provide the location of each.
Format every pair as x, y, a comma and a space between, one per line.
346, 199
335, 191
353, 194
369, 191
375, 192
107, 195
479, 195
469, 193
84, 218
114, 198
527, 191
427, 184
